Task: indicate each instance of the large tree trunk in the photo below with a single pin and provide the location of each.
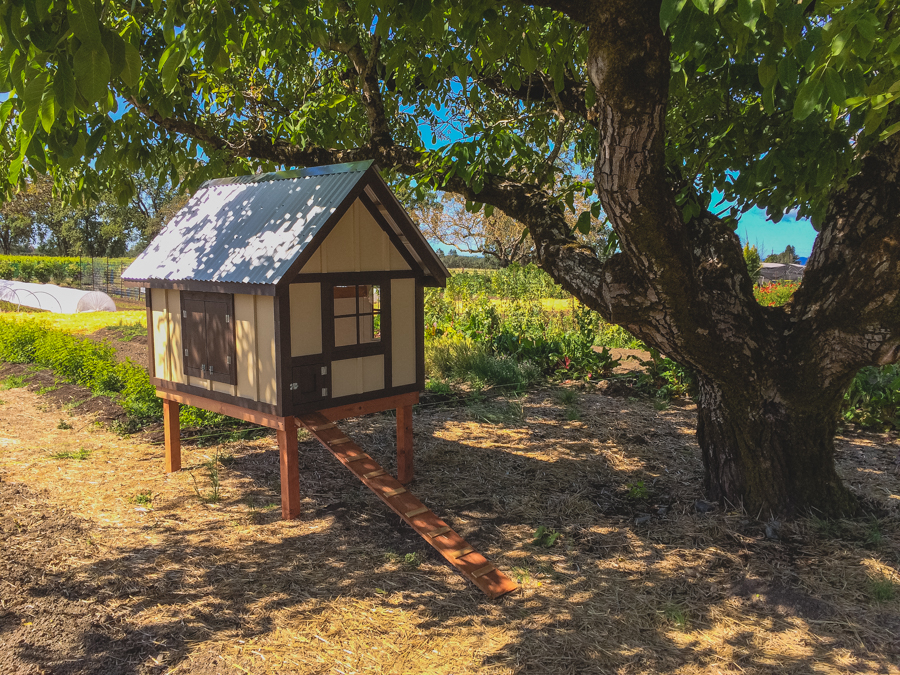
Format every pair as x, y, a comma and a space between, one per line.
769, 452
771, 379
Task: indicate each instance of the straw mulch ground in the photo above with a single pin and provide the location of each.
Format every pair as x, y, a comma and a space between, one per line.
107, 565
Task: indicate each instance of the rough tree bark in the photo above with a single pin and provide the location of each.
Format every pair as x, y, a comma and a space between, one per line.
771, 379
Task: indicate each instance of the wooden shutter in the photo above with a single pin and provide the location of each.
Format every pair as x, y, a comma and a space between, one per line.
219, 342
207, 328
193, 332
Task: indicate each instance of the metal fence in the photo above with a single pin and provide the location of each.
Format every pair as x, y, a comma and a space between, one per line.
104, 274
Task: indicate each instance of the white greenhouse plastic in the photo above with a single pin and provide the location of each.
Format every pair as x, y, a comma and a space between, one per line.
55, 298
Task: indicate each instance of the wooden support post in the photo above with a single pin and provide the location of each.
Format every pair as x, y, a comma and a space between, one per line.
290, 471
172, 435
404, 444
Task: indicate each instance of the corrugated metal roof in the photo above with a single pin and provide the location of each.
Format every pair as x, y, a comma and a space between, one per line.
247, 229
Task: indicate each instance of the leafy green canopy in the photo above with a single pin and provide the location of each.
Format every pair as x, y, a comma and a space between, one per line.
770, 99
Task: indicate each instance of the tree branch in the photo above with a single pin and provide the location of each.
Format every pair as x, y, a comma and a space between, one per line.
534, 88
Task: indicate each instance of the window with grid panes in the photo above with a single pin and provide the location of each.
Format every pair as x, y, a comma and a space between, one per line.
357, 314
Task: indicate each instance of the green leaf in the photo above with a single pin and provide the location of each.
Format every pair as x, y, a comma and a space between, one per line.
749, 10
527, 58
335, 99
702, 5
115, 47
64, 86
768, 8
807, 99
5, 110
171, 62
767, 71
83, 20
131, 68
48, 109
834, 85
584, 222
890, 131
34, 92
92, 72
15, 168
669, 12
787, 73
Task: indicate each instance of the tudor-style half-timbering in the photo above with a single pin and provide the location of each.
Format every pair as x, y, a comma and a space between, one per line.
288, 293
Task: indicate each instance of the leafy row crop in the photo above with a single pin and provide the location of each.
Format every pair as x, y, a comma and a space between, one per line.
44, 269
91, 365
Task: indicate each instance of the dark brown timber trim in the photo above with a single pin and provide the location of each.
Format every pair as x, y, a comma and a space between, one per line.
395, 240
375, 405
204, 286
283, 350
348, 278
420, 334
429, 259
315, 406
190, 389
151, 362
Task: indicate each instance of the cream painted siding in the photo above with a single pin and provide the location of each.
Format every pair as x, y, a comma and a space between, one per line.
159, 315
265, 336
403, 332
245, 346
357, 376
306, 319
356, 244
254, 345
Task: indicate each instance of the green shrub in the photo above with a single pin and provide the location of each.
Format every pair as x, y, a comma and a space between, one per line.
43, 270
873, 398
26, 270
83, 362
7, 270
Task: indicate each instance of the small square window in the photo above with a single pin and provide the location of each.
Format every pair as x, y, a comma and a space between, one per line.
357, 314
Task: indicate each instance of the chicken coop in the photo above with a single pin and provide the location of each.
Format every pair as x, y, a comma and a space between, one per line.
297, 298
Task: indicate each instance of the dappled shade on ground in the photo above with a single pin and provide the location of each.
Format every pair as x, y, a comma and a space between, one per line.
101, 580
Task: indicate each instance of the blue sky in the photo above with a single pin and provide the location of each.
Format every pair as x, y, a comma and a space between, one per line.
769, 237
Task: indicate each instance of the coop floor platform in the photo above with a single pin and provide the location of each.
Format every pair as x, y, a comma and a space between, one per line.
470, 563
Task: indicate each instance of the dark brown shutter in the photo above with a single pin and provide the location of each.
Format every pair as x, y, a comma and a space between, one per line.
218, 325
193, 329
207, 328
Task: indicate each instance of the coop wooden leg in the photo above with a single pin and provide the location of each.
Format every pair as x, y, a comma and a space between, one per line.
172, 434
404, 444
290, 471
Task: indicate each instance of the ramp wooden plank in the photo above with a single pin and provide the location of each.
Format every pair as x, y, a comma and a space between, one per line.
456, 550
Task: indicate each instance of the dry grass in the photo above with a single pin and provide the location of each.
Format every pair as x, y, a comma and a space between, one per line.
179, 586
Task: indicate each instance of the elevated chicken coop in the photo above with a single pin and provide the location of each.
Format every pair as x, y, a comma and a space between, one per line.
293, 298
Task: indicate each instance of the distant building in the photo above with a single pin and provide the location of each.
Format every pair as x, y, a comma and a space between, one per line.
780, 272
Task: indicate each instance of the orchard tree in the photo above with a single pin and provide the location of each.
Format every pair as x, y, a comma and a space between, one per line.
781, 104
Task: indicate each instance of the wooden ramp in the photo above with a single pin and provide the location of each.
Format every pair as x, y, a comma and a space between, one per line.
470, 563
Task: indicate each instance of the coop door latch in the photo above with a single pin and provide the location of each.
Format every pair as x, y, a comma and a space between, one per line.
184, 314
325, 391
293, 386
324, 370
228, 360
185, 351
228, 318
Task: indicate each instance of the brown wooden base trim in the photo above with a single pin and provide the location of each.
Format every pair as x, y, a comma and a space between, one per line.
370, 406
244, 403
472, 565
344, 401
290, 472
238, 412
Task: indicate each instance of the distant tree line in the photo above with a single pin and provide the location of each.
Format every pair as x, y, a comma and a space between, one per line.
788, 256
36, 221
